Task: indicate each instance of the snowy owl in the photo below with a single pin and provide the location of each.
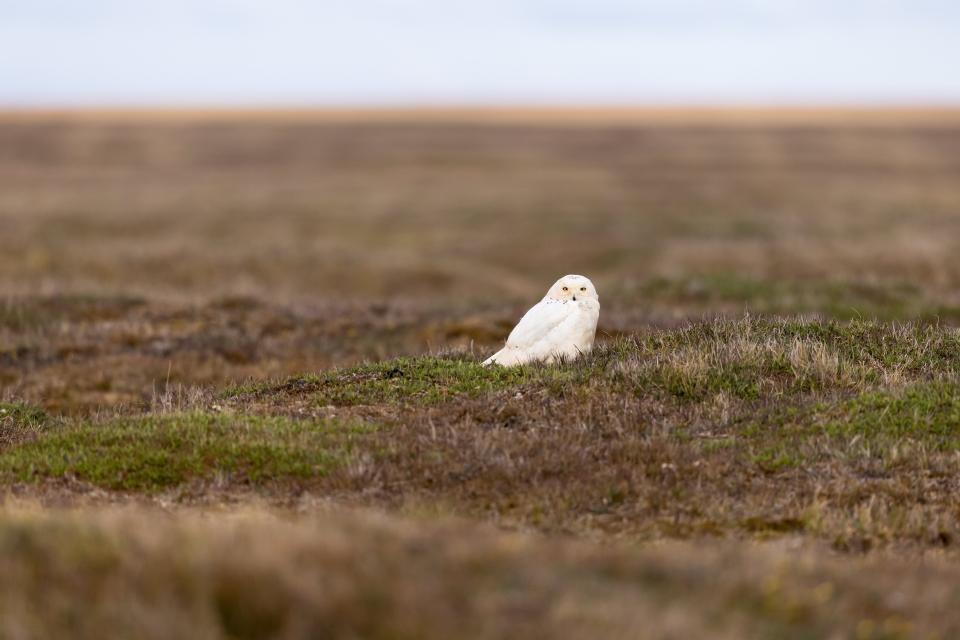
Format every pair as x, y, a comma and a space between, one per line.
562, 325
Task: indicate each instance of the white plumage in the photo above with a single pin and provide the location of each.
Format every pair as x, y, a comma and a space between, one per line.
561, 326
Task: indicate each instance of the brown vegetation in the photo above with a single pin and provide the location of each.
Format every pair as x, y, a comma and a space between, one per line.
209, 311
344, 575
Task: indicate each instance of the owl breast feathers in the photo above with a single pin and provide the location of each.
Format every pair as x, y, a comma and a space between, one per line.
561, 326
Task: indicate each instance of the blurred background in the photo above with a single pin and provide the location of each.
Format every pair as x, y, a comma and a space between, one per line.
246, 188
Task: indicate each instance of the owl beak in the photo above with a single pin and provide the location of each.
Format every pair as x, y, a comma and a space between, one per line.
574, 298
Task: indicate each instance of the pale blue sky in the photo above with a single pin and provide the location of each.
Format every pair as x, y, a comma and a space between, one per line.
417, 51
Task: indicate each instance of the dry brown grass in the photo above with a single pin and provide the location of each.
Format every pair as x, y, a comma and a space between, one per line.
250, 575
675, 218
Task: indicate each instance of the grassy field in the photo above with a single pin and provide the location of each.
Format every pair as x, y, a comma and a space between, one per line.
240, 391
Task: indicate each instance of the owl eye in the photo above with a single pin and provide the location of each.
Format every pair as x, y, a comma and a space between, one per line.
583, 288
565, 288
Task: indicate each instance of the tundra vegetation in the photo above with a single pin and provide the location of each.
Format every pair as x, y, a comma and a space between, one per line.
240, 393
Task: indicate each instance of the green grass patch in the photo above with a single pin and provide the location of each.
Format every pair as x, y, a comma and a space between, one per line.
777, 457
928, 412
738, 379
421, 380
151, 453
424, 380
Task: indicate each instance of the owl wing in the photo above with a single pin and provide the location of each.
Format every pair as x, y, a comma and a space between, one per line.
537, 323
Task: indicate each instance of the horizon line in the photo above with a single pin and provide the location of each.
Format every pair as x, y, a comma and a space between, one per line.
519, 112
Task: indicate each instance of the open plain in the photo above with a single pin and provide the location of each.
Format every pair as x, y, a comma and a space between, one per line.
240, 393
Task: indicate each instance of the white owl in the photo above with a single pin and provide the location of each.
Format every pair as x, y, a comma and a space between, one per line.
562, 325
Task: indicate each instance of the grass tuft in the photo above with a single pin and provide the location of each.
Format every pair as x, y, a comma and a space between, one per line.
19, 421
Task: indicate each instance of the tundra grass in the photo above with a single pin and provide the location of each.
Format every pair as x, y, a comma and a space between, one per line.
349, 575
423, 380
145, 272
155, 452
750, 359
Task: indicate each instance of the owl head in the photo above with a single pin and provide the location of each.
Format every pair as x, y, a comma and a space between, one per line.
573, 287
